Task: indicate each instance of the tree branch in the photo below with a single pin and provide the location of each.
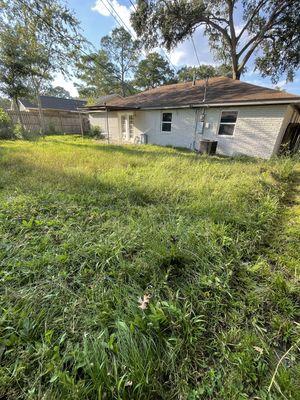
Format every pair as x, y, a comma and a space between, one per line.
255, 12
260, 36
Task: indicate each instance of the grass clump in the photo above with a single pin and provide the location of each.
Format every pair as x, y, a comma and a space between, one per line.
88, 229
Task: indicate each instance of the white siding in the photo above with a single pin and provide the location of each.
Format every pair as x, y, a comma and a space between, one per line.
258, 129
183, 126
99, 118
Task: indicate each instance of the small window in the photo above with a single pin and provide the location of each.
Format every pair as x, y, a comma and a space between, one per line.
227, 123
166, 125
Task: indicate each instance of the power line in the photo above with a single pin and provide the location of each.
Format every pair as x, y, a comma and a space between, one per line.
128, 30
133, 5
115, 18
75, 45
195, 50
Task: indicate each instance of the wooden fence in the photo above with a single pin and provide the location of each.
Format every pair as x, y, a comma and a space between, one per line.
55, 121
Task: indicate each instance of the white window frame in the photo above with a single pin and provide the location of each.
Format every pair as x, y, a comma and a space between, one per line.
166, 122
227, 123
127, 124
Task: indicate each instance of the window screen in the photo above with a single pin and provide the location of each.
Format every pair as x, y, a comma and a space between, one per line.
166, 124
227, 122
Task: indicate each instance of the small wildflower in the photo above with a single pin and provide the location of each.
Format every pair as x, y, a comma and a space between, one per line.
258, 349
128, 384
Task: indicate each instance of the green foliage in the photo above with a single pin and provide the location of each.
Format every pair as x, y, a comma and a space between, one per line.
271, 26
97, 75
186, 74
18, 131
23, 134
153, 71
14, 64
95, 132
6, 129
123, 52
87, 229
57, 91
110, 69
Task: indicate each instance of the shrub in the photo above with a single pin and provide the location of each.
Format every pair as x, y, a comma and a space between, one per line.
51, 130
95, 132
6, 127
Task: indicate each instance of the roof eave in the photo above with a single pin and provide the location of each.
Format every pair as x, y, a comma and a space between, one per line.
109, 108
195, 105
248, 103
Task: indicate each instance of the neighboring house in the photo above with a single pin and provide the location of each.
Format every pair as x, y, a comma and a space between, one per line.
52, 103
58, 115
243, 118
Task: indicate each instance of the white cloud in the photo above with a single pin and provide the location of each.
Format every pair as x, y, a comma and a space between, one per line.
184, 53
120, 12
60, 80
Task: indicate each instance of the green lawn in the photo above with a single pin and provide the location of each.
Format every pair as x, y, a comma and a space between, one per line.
87, 229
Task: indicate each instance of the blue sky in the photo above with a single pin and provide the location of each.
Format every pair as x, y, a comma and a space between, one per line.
97, 22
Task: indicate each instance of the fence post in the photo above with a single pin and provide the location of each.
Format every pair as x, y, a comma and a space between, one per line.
61, 124
81, 126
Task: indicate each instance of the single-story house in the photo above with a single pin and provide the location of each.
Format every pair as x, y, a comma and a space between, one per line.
243, 118
59, 115
52, 103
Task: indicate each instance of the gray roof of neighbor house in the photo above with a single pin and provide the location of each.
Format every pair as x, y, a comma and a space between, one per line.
218, 91
55, 103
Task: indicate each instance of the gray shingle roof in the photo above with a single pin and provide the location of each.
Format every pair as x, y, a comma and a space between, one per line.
55, 103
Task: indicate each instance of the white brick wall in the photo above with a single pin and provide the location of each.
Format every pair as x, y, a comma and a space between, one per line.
183, 126
257, 129
99, 118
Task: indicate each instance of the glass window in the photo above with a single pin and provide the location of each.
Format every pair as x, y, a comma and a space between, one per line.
166, 125
131, 126
227, 122
123, 124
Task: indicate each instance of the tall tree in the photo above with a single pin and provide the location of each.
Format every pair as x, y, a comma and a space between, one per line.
203, 71
14, 67
153, 71
57, 91
51, 37
123, 52
269, 28
97, 75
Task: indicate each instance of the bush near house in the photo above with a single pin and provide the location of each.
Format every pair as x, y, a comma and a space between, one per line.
6, 126
145, 273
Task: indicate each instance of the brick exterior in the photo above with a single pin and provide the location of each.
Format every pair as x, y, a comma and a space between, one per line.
257, 133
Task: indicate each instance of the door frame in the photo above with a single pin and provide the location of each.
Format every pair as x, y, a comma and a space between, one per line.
126, 137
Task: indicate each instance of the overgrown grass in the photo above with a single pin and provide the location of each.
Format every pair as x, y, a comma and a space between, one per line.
87, 229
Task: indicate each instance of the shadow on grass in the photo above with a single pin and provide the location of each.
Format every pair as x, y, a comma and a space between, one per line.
35, 180
144, 150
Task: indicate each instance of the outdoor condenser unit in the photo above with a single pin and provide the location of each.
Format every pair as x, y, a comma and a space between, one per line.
144, 138
208, 146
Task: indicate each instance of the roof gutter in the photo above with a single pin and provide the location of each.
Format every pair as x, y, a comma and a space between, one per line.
247, 103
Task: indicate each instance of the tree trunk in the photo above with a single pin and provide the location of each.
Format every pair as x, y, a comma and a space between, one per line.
41, 115
20, 119
236, 74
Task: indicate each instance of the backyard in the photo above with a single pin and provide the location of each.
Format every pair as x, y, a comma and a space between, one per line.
140, 272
